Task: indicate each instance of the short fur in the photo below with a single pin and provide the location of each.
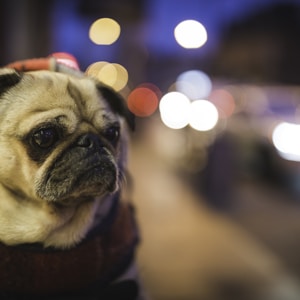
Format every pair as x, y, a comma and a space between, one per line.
55, 194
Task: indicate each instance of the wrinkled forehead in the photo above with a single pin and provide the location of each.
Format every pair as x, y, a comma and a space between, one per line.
41, 95
25, 89
61, 89
47, 90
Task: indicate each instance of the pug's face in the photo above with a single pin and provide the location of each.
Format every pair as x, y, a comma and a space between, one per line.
62, 148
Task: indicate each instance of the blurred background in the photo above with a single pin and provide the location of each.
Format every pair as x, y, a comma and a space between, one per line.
215, 155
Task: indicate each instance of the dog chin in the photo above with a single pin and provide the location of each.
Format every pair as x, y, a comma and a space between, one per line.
74, 227
83, 218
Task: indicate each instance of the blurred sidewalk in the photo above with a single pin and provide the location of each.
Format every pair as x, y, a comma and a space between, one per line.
190, 252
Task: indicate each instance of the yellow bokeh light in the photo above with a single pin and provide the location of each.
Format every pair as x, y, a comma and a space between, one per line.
108, 74
190, 34
104, 31
113, 75
95, 68
122, 77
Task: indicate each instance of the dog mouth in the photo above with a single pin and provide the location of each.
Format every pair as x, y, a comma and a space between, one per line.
73, 179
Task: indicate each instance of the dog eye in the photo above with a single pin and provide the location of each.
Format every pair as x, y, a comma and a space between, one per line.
45, 137
112, 134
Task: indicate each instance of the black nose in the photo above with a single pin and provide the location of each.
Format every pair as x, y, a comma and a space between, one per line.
89, 140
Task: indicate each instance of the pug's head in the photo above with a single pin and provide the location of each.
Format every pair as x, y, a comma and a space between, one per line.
63, 148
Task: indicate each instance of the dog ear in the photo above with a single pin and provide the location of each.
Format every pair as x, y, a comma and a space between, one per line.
117, 104
8, 78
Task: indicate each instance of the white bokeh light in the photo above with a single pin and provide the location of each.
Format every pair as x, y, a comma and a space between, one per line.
203, 115
190, 34
285, 139
195, 84
174, 110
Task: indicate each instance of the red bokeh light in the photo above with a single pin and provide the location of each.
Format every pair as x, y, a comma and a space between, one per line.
143, 100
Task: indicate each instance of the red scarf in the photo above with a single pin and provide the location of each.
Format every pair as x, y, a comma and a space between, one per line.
95, 262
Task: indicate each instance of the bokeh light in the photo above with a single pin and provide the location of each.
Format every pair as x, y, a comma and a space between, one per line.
224, 102
143, 100
285, 139
195, 84
108, 74
113, 75
190, 34
175, 110
104, 31
203, 115
122, 77
94, 69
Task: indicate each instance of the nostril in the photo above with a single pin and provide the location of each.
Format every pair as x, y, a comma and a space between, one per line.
87, 141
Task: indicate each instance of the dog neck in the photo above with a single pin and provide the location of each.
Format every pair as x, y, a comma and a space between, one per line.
100, 258
106, 217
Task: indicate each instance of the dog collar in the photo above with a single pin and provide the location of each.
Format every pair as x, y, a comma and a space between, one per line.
87, 268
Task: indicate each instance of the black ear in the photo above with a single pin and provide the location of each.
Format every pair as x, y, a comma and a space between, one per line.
8, 78
117, 104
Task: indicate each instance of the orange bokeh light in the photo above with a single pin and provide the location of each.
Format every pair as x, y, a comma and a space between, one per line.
143, 100
224, 101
